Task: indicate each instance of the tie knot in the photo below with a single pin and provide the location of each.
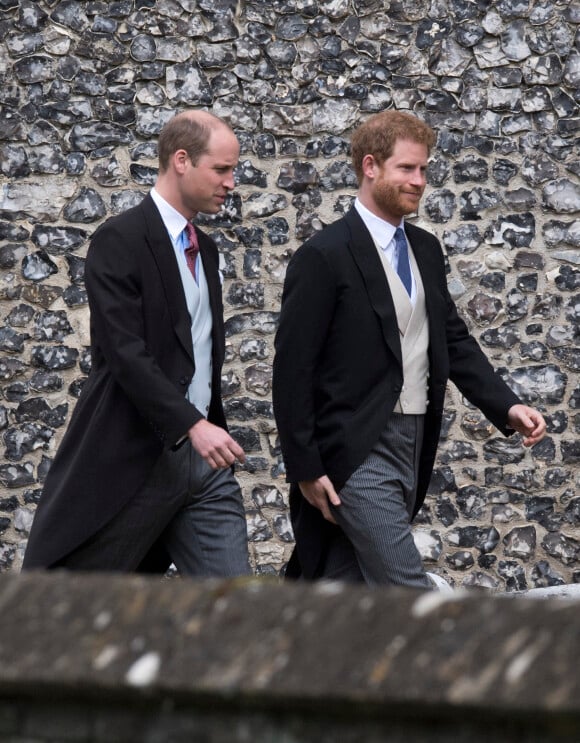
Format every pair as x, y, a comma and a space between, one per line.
192, 250
191, 236
400, 235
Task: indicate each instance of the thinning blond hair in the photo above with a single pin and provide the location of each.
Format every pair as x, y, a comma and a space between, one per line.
189, 131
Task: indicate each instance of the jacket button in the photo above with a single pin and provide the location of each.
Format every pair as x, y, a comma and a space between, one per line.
184, 381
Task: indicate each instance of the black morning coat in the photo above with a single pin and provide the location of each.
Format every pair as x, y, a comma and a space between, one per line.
338, 368
133, 402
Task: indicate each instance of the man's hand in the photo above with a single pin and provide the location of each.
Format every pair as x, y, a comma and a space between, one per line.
215, 445
527, 421
318, 493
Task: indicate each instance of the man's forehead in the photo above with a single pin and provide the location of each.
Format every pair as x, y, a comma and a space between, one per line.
404, 147
221, 136
221, 141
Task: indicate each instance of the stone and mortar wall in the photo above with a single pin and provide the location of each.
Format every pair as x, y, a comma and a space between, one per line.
85, 88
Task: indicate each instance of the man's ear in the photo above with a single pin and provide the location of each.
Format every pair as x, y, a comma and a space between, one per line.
369, 165
180, 158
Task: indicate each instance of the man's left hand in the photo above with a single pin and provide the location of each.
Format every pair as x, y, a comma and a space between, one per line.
527, 421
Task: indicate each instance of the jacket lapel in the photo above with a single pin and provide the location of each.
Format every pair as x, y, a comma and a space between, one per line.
366, 257
427, 258
164, 255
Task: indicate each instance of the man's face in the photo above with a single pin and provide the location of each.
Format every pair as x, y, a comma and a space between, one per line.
204, 186
399, 182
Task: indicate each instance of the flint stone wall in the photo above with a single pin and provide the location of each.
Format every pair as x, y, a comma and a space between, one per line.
85, 88
103, 659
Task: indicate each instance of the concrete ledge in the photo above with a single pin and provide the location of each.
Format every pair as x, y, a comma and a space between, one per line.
326, 653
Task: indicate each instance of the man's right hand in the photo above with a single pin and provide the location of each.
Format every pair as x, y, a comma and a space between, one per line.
319, 493
215, 445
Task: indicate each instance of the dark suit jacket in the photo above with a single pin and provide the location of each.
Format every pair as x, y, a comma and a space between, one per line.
338, 367
133, 403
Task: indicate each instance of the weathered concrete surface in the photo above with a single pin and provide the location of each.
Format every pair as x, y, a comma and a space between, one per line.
273, 645
568, 591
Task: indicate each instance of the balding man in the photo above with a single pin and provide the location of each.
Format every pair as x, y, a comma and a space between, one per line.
143, 476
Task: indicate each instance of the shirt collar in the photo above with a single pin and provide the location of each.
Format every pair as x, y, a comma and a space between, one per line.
174, 221
382, 232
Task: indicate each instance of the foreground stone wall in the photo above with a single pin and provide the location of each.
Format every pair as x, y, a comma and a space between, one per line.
103, 659
85, 88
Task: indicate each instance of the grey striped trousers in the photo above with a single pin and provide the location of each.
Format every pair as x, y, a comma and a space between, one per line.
375, 543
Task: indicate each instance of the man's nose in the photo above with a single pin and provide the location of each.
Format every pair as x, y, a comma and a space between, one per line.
418, 177
229, 181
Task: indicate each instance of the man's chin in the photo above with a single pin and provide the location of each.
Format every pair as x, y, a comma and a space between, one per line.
211, 211
413, 201
410, 208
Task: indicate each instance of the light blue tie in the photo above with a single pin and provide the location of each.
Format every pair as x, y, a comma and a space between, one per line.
403, 265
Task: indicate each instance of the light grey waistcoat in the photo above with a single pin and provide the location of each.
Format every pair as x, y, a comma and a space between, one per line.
414, 335
198, 305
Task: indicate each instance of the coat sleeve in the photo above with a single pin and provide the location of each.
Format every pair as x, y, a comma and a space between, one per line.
122, 333
455, 353
473, 374
307, 307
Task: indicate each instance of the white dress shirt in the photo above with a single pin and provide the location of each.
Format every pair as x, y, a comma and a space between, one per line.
383, 233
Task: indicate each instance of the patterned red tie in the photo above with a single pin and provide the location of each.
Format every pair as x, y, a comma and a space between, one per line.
193, 250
